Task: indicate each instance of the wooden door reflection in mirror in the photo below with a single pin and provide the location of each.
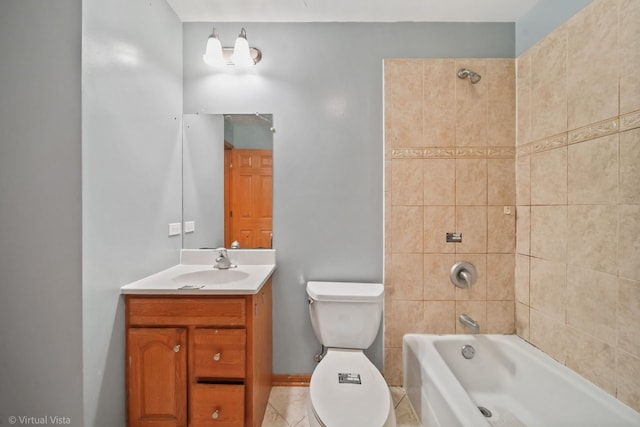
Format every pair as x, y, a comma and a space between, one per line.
248, 197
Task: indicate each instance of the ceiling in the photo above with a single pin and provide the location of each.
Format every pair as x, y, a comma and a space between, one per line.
350, 10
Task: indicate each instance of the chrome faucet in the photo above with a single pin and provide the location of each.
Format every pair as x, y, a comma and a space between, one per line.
469, 323
222, 260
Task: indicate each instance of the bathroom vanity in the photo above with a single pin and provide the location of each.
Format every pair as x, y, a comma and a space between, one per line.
199, 347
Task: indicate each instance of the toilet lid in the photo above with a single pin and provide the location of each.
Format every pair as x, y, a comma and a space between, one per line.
347, 403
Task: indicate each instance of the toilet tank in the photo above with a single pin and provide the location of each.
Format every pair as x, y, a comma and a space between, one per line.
345, 314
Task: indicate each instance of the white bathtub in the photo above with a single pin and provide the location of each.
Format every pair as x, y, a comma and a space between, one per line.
516, 382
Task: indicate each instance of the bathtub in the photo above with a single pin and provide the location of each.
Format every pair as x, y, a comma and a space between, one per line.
507, 383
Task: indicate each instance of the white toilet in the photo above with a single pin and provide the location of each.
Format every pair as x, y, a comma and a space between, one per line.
346, 389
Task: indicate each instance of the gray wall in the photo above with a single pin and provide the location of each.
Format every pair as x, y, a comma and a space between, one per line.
131, 175
544, 17
40, 210
203, 179
323, 84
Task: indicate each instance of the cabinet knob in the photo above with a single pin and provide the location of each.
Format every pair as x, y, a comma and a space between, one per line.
215, 414
217, 356
176, 348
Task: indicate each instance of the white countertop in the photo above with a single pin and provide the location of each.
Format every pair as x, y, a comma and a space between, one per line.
258, 265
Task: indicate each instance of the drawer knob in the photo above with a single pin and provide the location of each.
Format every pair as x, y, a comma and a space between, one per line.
176, 348
217, 356
215, 414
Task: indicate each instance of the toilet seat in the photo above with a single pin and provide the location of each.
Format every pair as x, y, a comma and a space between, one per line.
348, 404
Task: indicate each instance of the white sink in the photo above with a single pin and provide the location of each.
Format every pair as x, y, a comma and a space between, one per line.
210, 277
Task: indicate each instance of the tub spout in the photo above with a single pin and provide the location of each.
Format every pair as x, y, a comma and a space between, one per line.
469, 323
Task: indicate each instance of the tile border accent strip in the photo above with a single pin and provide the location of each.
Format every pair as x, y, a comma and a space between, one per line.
595, 130
454, 153
630, 121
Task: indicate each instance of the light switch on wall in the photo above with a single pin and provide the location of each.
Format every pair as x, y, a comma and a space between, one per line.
175, 228
189, 226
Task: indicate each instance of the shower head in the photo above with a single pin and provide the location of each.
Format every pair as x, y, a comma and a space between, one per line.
474, 78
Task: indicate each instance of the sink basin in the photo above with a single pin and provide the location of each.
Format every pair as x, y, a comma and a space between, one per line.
210, 277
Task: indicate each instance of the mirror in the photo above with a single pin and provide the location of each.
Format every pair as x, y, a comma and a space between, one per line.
227, 180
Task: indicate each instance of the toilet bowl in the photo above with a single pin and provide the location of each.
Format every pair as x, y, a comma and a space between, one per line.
346, 389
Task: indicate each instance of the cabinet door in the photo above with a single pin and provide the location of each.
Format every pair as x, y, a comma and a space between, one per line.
157, 377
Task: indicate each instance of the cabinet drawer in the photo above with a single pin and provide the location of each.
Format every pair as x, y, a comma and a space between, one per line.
219, 353
217, 405
157, 311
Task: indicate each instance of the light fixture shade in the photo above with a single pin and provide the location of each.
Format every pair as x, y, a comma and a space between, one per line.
241, 52
213, 55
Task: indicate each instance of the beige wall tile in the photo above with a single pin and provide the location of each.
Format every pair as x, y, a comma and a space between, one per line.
523, 230
523, 180
591, 358
439, 103
593, 230
629, 191
549, 232
393, 365
471, 106
549, 177
471, 221
478, 291
439, 181
477, 310
409, 318
548, 288
523, 89
629, 55
593, 171
407, 229
501, 117
406, 182
471, 122
548, 85
471, 182
438, 220
629, 241
500, 79
407, 273
501, 189
500, 317
628, 379
592, 57
629, 316
439, 81
548, 334
592, 299
437, 285
500, 277
522, 279
440, 317
522, 321
403, 93
501, 229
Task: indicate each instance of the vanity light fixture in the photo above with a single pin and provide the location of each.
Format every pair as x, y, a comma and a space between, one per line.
241, 54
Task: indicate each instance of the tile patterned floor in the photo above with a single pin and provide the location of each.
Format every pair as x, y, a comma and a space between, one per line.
287, 408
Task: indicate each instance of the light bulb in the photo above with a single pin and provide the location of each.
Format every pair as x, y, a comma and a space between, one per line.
213, 54
241, 52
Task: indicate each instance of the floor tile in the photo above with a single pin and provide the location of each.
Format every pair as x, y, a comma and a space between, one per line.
287, 408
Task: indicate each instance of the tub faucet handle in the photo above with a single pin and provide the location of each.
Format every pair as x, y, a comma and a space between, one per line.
463, 274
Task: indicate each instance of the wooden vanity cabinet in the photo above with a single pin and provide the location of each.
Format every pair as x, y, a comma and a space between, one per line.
198, 360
